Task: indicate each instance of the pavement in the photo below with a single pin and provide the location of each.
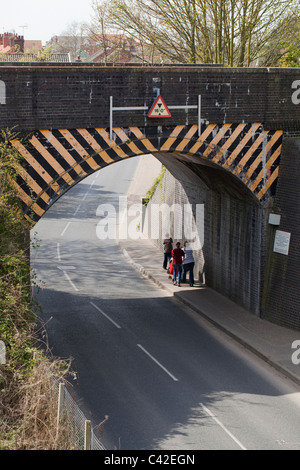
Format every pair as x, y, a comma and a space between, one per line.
271, 342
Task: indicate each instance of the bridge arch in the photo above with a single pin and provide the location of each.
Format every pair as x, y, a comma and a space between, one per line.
243, 115
56, 160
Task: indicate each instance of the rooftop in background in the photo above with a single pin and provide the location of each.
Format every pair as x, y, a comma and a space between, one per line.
21, 57
32, 45
106, 48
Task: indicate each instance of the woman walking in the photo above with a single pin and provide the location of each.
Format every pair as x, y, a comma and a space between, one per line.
188, 264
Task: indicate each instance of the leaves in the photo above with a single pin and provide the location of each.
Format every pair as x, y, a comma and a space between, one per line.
156, 182
24, 384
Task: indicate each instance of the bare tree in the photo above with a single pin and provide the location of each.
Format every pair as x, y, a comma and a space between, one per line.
100, 27
229, 32
71, 39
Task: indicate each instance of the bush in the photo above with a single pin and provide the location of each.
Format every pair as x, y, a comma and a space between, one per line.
27, 416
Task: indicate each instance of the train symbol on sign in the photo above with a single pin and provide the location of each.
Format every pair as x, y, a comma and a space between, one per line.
159, 109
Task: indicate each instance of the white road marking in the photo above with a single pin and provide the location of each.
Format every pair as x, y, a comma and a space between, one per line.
158, 363
66, 268
105, 315
58, 251
77, 209
223, 427
70, 281
65, 229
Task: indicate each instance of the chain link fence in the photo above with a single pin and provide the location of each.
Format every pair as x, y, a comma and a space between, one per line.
80, 432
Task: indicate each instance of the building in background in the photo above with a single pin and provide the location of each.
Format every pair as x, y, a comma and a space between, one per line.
13, 48
100, 48
104, 48
32, 46
10, 43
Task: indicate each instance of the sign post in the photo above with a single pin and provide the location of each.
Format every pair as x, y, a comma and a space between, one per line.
158, 110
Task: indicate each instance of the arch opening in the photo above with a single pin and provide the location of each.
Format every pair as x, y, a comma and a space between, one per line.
231, 230
236, 167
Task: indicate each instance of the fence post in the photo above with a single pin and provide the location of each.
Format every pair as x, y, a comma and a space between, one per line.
87, 436
61, 396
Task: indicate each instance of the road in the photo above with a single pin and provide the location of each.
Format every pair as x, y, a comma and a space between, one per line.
165, 377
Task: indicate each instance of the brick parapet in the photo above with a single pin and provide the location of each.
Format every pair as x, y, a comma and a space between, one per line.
40, 96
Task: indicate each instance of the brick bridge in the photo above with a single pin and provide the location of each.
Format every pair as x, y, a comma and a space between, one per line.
234, 129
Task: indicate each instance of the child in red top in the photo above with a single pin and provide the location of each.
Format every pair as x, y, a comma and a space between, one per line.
177, 257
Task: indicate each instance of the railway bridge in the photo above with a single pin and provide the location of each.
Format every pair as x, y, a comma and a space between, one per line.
235, 131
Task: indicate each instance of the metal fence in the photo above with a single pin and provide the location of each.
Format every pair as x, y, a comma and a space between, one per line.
80, 431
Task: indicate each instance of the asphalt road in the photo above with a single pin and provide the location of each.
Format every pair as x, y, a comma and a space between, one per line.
166, 378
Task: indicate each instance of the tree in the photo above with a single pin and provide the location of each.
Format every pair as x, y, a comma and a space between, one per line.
262, 25
112, 45
168, 28
98, 30
291, 46
282, 49
71, 40
229, 32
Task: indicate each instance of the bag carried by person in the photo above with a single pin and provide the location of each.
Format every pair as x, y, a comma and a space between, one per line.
171, 269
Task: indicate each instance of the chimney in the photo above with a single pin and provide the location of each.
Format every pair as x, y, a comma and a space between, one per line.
17, 43
6, 37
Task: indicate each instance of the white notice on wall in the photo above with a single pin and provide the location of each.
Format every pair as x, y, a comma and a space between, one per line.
282, 242
2, 92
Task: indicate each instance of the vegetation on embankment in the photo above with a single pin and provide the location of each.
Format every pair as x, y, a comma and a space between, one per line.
152, 190
27, 402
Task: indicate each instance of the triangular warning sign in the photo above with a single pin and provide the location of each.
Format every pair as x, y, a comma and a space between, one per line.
159, 109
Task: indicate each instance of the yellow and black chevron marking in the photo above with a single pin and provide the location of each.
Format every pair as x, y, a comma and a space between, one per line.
56, 160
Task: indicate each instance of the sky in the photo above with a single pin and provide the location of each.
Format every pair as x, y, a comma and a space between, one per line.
39, 20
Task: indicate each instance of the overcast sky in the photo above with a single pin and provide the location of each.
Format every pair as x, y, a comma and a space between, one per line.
43, 19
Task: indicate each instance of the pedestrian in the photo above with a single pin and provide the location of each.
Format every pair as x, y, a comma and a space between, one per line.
168, 247
170, 269
177, 257
188, 264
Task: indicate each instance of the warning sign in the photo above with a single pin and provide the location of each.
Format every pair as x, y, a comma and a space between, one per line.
159, 109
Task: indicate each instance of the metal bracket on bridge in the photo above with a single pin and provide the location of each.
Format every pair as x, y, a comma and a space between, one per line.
112, 108
146, 108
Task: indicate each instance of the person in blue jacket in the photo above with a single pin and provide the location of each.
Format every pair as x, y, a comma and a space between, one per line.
188, 264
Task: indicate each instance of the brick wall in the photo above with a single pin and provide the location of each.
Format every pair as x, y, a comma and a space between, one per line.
281, 297
43, 96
